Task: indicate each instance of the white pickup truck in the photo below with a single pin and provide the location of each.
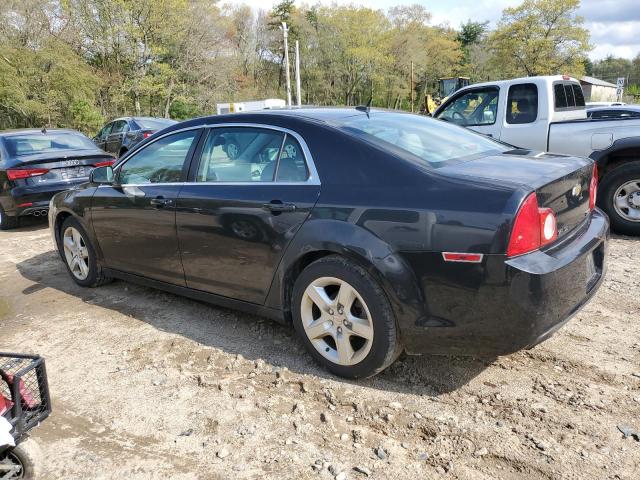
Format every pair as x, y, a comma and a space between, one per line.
548, 114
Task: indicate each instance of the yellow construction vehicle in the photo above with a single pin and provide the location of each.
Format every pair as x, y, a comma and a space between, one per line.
446, 87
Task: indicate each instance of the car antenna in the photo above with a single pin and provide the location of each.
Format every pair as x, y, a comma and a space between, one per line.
365, 108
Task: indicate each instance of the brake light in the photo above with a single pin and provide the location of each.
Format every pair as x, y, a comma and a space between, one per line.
533, 228
593, 188
106, 163
147, 134
20, 173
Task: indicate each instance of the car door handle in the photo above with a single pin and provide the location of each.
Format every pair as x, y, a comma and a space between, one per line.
160, 202
277, 206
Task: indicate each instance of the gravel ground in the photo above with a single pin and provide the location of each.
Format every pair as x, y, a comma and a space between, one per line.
146, 384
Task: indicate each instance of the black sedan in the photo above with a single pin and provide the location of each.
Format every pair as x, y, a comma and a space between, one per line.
122, 134
372, 232
36, 164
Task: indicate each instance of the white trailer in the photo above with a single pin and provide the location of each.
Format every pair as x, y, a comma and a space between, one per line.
250, 105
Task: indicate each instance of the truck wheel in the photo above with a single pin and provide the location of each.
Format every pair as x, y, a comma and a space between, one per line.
619, 197
25, 460
7, 222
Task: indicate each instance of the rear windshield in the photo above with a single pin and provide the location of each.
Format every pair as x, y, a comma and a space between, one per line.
431, 141
50, 142
568, 96
154, 123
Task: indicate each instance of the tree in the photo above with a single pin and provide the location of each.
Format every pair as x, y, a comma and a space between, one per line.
540, 37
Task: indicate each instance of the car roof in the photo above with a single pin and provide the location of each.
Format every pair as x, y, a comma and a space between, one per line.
35, 131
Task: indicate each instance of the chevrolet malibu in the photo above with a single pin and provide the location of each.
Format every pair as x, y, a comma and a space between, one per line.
371, 232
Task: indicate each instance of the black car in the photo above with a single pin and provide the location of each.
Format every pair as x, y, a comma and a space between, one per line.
617, 111
36, 164
373, 232
122, 134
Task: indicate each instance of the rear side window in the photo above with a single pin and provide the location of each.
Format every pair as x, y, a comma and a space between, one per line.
568, 96
243, 154
522, 104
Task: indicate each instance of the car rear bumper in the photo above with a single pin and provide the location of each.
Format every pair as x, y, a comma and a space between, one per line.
505, 305
27, 200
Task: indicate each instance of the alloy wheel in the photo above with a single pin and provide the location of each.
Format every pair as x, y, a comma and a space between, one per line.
76, 253
337, 321
11, 467
626, 201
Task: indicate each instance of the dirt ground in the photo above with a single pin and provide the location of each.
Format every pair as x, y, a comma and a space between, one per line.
149, 385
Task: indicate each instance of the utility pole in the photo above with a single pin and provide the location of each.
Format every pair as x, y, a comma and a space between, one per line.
411, 87
298, 97
285, 31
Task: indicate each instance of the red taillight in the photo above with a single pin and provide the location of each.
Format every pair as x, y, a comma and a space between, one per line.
533, 228
106, 163
147, 134
19, 173
593, 188
462, 257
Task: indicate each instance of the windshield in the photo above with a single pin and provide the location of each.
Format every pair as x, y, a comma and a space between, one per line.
154, 123
50, 142
433, 141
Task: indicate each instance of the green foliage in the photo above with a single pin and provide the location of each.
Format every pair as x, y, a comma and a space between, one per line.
540, 37
78, 63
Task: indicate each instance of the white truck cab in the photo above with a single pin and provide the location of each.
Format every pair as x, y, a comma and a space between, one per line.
548, 114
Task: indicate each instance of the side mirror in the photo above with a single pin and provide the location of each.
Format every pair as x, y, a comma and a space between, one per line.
101, 175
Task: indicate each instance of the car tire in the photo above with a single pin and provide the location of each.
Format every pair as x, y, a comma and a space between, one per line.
332, 334
613, 194
8, 222
85, 269
232, 149
28, 456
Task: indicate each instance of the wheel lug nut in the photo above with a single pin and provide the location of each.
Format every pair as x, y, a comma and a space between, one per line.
330, 311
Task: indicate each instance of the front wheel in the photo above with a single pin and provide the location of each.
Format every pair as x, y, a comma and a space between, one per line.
23, 462
79, 255
344, 318
619, 197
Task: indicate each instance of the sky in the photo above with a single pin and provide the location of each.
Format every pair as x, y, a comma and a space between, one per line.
614, 24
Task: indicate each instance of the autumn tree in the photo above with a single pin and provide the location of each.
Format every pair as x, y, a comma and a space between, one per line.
540, 37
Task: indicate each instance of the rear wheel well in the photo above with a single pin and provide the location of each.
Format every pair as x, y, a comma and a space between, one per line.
292, 274
62, 216
615, 159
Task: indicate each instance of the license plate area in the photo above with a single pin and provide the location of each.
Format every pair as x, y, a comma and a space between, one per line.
74, 172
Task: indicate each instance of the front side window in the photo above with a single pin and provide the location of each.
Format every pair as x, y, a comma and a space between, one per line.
522, 104
244, 154
430, 141
474, 108
106, 130
159, 162
119, 126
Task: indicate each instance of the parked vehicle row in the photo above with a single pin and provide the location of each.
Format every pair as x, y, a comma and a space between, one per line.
36, 164
548, 114
372, 232
122, 134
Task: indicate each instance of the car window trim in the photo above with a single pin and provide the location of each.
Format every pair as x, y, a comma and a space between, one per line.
185, 166
460, 94
313, 178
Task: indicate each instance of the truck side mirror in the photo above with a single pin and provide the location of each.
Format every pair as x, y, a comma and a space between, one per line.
101, 175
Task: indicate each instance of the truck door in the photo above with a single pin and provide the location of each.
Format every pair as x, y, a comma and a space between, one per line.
478, 109
525, 124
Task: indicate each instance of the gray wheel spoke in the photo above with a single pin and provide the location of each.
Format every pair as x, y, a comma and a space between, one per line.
360, 327
76, 253
621, 202
319, 296
346, 296
626, 201
345, 351
319, 328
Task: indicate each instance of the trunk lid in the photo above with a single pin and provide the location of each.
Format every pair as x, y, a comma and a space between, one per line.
560, 182
72, 165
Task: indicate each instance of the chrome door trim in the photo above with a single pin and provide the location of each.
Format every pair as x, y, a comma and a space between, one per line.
313, 178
